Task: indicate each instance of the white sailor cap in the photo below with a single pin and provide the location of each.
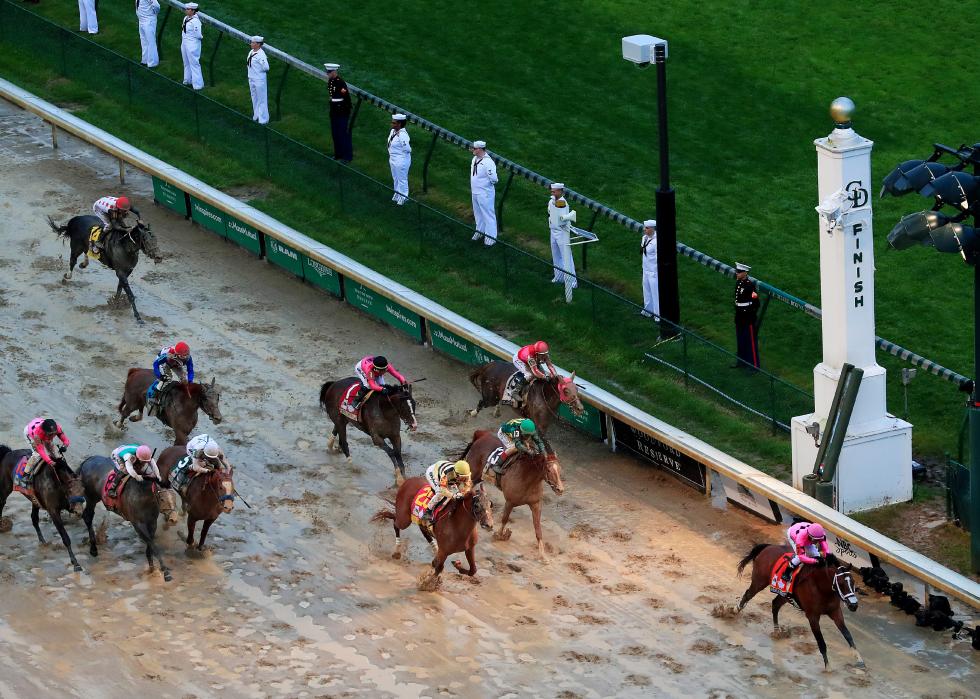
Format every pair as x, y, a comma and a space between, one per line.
331, 66
190, 6
558, 185
480, 144
742, 267
650, 223
399, 117
258, 39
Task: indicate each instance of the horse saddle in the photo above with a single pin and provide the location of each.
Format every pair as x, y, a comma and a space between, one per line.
516, 389
94, 236
496, 462
181, 475
23, 482
113, 489
421, 504
347, 400
776, 583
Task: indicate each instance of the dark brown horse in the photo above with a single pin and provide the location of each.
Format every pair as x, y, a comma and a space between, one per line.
521, 483
56, 488
543, 397
381, 415
207, 495
455, 532
178, 409
140, 503
121, 249
818, 591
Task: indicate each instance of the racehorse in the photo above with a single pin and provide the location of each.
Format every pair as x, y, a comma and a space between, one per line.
455, 531
380, 414
543, 396
56, 488
206, 497
178, 408
818, 590
521, 483
120, 249
140, 504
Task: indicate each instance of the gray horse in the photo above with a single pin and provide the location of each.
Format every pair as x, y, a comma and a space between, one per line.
121, 249
140, 504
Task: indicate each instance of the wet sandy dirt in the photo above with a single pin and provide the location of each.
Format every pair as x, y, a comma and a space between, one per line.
299, 597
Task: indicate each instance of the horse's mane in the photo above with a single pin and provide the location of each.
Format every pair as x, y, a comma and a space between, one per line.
4, 450
832, 561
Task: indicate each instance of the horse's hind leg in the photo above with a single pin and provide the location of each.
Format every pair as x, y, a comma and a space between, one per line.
88, 515
35, 520
397, 553
60, 526
470, 560
838, 617
777, 604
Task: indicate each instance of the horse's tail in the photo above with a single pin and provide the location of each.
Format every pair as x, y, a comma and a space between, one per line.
323, 393
4, 450
476, 375
61, 231
383, 514
750, 556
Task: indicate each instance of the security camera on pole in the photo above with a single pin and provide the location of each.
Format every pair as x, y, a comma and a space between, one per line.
875, 465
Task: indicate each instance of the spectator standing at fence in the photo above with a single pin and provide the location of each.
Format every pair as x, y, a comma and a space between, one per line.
340, 109
483, 177
746, 309
399, 157
88, 21
648, 258
190, 47
560, 218
257, 65
146, 16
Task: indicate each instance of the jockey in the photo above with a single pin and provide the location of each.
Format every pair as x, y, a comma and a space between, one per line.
809, 542
371, 371
532, 362
206, 455
520, 435
135, 460
40, 434
444, 477
112, 212
172, 364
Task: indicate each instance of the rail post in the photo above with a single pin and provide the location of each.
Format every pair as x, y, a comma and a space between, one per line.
214, 54
500, 204
428, 159
282, 85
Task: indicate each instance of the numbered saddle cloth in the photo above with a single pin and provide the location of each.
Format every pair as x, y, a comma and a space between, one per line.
113, 488
421, 503
777, 584
94, 236
347, 399
24, 483
181, 475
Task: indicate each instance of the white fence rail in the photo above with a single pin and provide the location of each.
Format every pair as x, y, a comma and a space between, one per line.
624, 426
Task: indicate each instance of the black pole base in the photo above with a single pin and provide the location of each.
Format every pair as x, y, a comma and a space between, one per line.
670, 304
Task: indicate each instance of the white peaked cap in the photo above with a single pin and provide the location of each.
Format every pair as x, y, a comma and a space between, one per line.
650, 223
742, 267
331, 66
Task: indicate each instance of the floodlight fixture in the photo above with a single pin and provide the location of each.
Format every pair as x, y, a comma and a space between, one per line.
916, 229
954, 188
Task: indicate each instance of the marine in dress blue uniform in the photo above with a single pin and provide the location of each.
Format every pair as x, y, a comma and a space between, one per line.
746, 318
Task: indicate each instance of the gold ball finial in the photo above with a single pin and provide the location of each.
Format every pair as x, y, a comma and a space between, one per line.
841, 110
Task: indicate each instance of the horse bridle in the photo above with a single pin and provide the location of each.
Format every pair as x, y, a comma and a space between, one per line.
410, 400
222, 497
851, 596
72, 499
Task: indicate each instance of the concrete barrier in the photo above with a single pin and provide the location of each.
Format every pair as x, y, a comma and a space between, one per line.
622, 425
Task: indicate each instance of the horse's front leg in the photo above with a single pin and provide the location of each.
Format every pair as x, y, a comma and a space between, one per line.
536, 519
72, 258
504, 533
392, 454
204, 533
396, 443
124, 286
814, 619
838, 617
191, 525
470, 560
60, 526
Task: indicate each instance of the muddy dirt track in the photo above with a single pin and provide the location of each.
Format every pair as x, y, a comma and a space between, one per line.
299, 596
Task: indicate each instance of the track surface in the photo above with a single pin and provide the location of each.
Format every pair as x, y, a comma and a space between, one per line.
300, 597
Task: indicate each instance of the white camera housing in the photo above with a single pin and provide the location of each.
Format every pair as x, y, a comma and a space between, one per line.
639, 48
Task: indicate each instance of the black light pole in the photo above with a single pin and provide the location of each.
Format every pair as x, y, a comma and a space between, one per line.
670, 305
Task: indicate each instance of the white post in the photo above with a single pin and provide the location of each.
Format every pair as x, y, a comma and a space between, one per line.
875, 466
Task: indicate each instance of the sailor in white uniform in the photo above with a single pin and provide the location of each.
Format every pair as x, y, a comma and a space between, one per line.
190, 47
399, 157
483, 177
257, 65
648, 256
146, 16
560, 218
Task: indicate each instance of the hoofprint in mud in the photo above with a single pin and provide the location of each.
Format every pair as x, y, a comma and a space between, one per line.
300, 596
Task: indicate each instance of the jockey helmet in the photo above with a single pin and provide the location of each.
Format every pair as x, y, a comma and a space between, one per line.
122, 203
461, 468
527, 426
380, 362
144, 453
182, 350
49, 426
540, 347
211, 450
816, 532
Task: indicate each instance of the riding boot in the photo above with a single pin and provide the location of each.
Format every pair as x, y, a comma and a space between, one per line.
788, 573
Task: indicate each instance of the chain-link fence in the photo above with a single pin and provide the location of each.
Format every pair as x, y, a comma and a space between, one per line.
434, 248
